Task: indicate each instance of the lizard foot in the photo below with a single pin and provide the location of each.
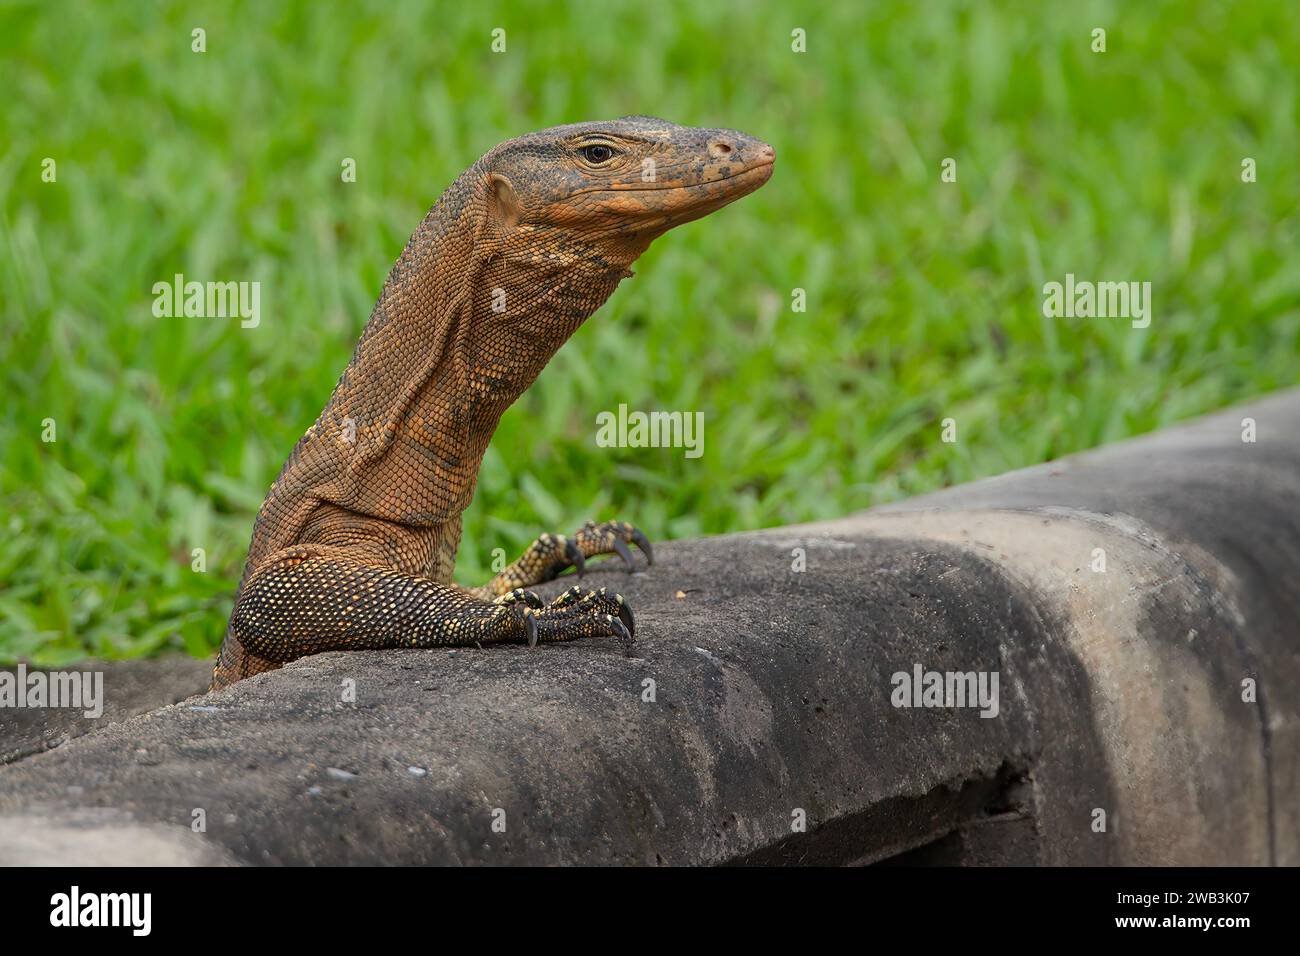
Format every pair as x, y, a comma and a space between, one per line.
613, 537
577, 614
551, 555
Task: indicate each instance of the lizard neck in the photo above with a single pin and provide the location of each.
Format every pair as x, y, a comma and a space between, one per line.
466, 321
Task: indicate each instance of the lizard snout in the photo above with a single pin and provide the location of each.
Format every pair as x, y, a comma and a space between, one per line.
740, 151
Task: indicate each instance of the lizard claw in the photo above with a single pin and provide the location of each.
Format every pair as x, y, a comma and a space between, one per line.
643, 543
623, 634
530, 622
574, 554
626, 617
622, 551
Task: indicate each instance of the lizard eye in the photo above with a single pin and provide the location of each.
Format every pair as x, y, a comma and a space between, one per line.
597, 153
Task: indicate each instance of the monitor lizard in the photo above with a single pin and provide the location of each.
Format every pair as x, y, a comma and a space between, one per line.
356, 541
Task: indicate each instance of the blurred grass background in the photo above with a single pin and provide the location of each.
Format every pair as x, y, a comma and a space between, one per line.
924, 298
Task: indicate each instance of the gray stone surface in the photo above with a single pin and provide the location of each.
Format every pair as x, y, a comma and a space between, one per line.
129, 688
1120, 691
102, 838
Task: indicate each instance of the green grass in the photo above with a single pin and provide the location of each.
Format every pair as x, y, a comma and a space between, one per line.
924, 298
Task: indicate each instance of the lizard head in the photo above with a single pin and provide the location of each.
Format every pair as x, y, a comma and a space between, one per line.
610, 188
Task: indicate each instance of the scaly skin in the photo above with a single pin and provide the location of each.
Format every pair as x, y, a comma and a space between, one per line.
355, 544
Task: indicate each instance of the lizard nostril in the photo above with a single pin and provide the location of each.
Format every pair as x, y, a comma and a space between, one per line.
719, 149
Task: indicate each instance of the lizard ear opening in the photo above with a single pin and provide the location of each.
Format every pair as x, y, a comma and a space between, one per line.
503, 204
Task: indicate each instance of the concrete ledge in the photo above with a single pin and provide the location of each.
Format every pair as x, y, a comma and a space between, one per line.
128, 688
1120, 691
